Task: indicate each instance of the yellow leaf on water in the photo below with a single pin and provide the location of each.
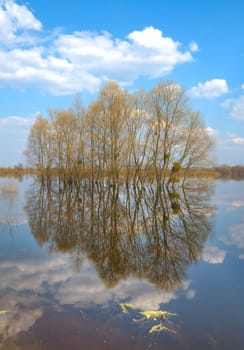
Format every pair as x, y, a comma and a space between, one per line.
159, 328
124, 307
2, 312
156, 314
156, 328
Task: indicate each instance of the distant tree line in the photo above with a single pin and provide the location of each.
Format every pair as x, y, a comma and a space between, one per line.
122, 132
230, 172
225, 172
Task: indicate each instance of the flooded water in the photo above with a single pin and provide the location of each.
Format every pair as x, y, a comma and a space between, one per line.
82, 262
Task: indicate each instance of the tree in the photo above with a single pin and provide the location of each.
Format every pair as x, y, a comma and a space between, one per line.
107, 124
175, 133
66, 139
80, 112
38, 152
156, 131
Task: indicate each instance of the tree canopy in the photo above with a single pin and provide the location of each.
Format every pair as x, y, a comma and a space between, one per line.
121, 131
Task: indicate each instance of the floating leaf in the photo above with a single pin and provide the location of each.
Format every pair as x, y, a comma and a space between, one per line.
124, 307
2, 312
159, 327
156, 314
156, 328
150, 315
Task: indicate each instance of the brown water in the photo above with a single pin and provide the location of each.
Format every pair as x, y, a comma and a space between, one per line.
70, 254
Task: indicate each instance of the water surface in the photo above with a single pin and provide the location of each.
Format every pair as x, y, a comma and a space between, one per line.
71, 253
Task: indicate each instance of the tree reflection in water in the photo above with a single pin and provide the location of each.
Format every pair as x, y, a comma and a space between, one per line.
147, 229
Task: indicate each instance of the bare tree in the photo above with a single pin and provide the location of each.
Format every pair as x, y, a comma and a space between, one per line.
38, 151
66, 139
177, 135
109, 131
124, 133
80, 112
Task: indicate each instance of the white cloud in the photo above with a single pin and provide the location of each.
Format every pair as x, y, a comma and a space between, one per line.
193, 46
238, 204
212, 132
32, 274
15, 18
238, 140
143, 295
209, 89
144, 53
191, 294
84, 288
88, 290
236, 106
235, 236
235, 139
152, 301
213, 255
16, 121
81, 60
19, 318
151, 38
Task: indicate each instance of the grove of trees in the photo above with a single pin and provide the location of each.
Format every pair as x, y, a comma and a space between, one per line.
122, 132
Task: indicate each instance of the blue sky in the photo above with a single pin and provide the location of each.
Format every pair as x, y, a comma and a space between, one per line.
52, 50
